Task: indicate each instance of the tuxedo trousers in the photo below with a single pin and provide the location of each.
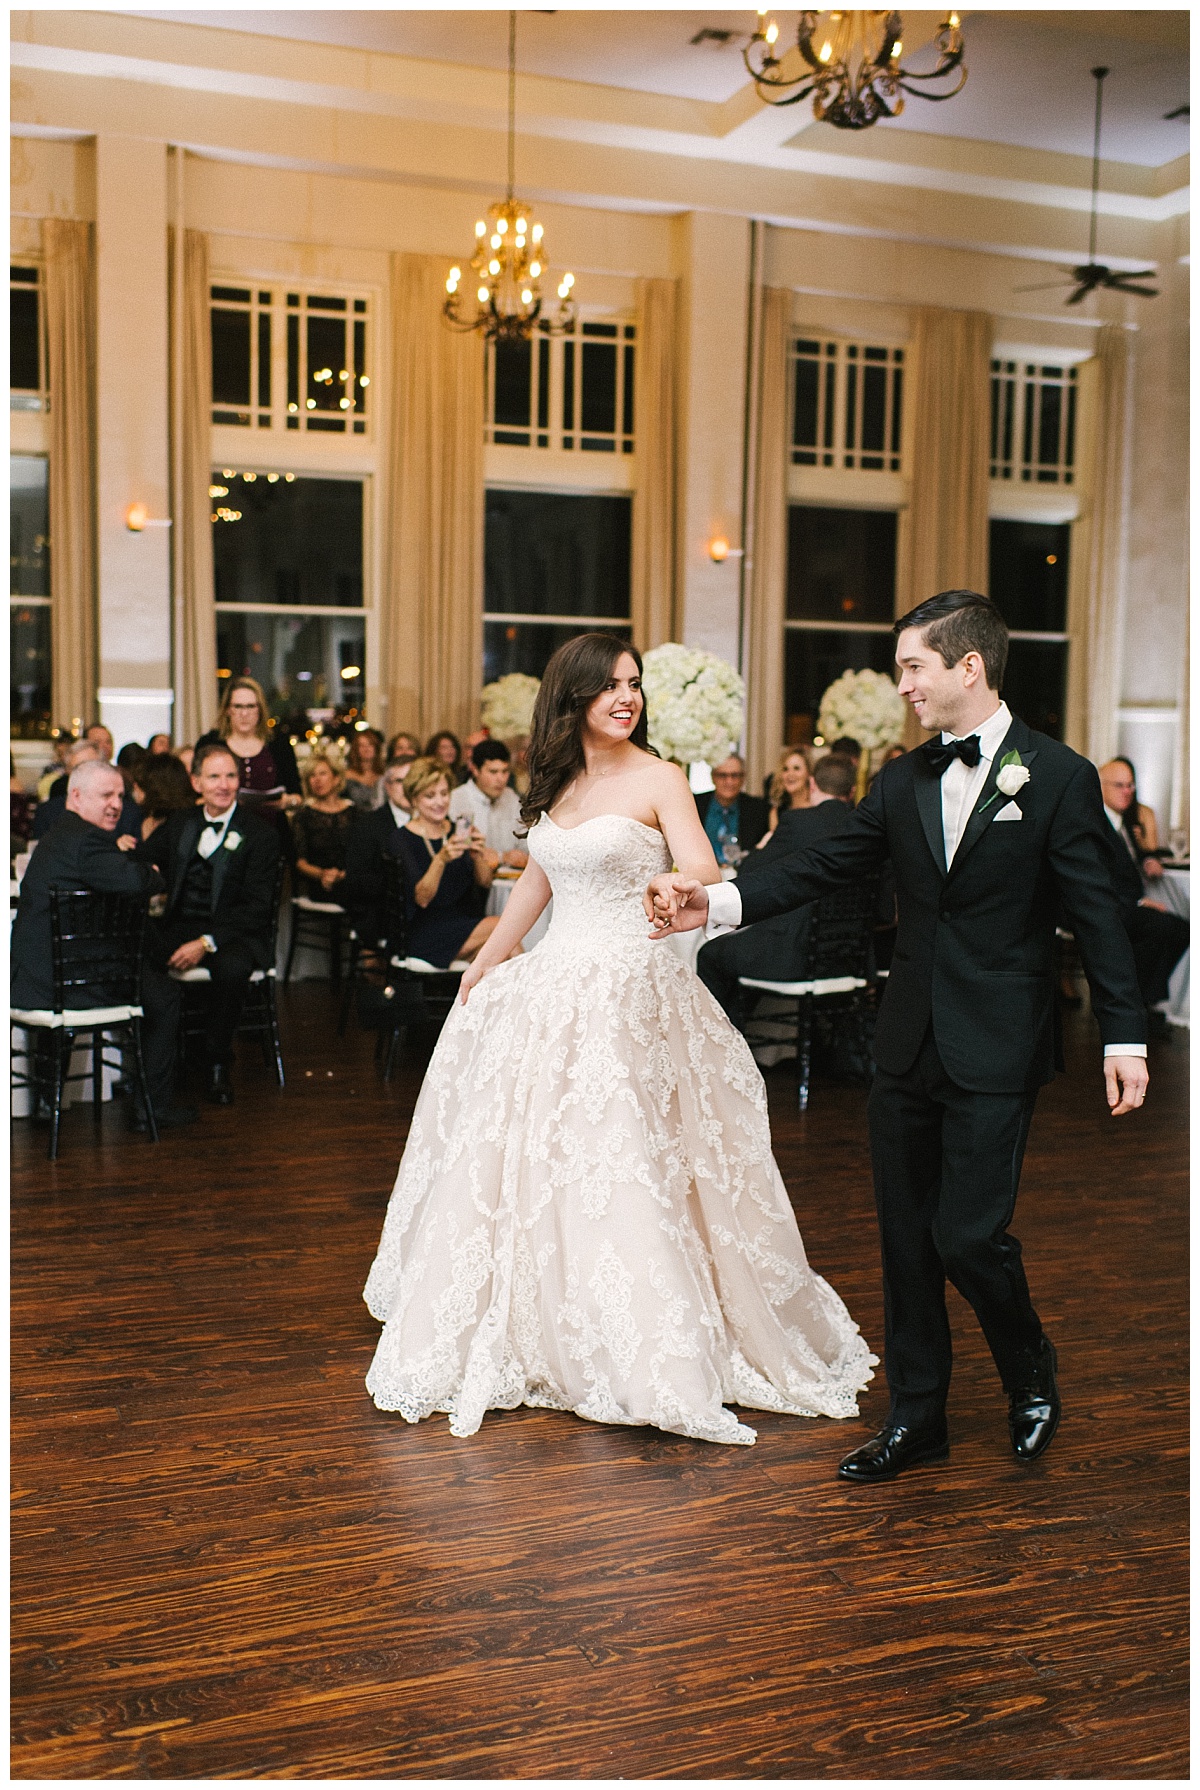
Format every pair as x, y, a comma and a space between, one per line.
947, 1164
230, 969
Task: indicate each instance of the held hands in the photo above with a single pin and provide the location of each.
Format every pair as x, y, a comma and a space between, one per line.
675, 903
1125, 1083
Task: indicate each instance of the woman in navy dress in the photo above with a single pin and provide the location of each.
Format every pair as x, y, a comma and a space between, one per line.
446, 869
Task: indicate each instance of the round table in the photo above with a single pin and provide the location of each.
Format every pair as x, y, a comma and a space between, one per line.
502, 887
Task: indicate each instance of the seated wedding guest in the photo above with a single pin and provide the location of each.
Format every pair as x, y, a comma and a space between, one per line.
130, 759
370, 839
490, 805
446, 748
403, 745
774, 949
364, 769
268, 779
321, 828
166, 789
81, 851
788, 786
1159, 937
20, 809
159, 745
184, 754
1118, 786
219, 863
84, 751
51, 772
845, 747
96, 735
729, 815
446, 870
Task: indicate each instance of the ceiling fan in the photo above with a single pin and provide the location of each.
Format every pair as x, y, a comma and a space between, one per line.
1093, 274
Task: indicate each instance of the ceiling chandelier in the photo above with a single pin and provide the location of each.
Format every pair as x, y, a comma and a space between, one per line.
850, 62
509, 258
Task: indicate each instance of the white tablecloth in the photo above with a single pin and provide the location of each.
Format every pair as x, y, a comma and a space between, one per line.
497, 901
1174, 889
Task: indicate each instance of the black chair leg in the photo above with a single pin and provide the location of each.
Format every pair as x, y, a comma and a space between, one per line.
393, 1052
97, 1074
292, 943
273, 1024
139, 1079
352, 964
335, 951
61, 1063
804, 1032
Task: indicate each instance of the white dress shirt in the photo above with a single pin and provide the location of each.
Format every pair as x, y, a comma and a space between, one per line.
215, 828
401, 816
496, 817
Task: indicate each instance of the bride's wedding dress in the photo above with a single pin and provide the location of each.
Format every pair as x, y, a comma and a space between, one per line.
587, 1215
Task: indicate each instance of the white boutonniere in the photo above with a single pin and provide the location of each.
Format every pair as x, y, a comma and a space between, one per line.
233, 840
1011, 776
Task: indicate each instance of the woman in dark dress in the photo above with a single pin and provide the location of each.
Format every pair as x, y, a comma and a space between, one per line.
265, 759
446, 748
321, 829
445, 868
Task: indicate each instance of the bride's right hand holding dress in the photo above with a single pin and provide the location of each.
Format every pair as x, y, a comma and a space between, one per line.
526, 903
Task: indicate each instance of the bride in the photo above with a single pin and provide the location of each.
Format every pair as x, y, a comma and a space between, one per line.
588, 1216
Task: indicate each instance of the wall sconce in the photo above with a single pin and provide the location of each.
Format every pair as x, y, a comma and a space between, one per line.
719, 550
138, 517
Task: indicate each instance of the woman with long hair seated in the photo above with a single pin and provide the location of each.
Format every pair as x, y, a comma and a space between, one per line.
364, 769
446, 748
446, 867
321, 829
790, 786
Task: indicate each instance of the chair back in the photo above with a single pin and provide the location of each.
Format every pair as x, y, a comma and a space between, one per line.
395, 906
839, 940
96, 945
281, 869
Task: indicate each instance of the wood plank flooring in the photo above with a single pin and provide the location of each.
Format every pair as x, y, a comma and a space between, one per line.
227, 1564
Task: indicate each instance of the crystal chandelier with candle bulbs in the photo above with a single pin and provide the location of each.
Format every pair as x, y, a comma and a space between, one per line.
850, 62
510, 257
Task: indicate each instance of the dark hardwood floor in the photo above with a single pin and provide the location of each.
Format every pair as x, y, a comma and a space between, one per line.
226, 1563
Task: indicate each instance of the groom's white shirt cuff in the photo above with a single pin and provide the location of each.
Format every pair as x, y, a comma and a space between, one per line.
1124, 1050
724, 909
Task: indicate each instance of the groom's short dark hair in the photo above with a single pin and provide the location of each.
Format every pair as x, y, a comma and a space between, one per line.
958, 622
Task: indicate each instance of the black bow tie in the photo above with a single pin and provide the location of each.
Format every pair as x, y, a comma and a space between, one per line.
940, 757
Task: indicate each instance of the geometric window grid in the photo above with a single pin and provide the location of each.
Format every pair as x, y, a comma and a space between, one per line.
1033, 423
847, 405
300, 363
574, 391
26, 371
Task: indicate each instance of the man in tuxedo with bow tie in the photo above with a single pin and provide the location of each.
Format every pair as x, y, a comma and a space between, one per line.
992, 830
219, 864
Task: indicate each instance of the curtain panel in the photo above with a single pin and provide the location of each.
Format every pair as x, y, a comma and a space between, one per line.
431, 626
1095, 619
195, 611
767, 572
69, 248
951, 430
652, 592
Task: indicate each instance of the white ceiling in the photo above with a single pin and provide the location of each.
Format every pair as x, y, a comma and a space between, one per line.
1028, 84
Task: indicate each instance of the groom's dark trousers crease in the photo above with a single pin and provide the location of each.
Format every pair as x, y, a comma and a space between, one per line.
947, 1162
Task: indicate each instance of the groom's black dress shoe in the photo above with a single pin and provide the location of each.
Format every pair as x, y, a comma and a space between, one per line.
891, 1451
1034, 1411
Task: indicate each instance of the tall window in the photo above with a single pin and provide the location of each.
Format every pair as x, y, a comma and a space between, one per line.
573, 392
288, 566
555, 566
29, 597
841, 592
847, 408
1033, 423
295, 360
26, 365
1028, 569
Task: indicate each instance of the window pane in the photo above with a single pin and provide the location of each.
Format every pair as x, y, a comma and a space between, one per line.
24, 370
527, 646
1035, 683
813, 659
29, 526
841, 564
513, 373
554, 555
230, 356
326, 345
297, 541
29, 670
298, 659
1028, 566
599, 403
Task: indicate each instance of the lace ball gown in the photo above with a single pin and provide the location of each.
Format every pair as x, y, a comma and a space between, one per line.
588, 1216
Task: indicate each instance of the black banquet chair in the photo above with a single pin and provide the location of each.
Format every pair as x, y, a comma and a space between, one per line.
414, 991
833, 986
260, 1015
96, 942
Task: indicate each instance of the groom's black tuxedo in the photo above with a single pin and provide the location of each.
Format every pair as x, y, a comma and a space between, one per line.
965, 1034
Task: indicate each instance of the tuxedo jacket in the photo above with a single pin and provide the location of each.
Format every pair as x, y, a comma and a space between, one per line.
51, 811
243, 876
776, 948
754, 817
73, 855
974, 950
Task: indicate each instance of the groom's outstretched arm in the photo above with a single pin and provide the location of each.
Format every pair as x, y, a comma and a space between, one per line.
805, 876
1078, 846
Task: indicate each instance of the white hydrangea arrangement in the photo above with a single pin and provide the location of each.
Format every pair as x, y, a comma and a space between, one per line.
506, 707
695, 703
867, 706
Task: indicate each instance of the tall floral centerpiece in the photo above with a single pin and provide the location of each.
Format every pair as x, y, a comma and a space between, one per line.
506, 707
867, 706
695, 703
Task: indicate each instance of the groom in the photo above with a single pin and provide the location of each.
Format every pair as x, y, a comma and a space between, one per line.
995, 833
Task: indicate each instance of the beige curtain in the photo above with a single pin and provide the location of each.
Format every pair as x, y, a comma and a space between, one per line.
196, 616
71, 357
656, 422
432, 619
948, 532
1095, 618
767, 571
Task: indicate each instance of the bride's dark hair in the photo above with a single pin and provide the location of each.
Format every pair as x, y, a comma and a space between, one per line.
577, 673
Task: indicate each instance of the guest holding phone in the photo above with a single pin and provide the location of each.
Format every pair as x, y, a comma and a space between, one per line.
447, 868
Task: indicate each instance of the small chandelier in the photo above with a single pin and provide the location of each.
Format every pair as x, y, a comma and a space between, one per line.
851, 65
509, 258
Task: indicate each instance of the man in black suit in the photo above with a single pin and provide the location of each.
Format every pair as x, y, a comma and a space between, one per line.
370, 842
81, 852
219, 864
992, 830
1159, 938
727, 812
775, 948
96, 745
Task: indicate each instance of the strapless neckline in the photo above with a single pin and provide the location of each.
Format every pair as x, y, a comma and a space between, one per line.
559, 828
